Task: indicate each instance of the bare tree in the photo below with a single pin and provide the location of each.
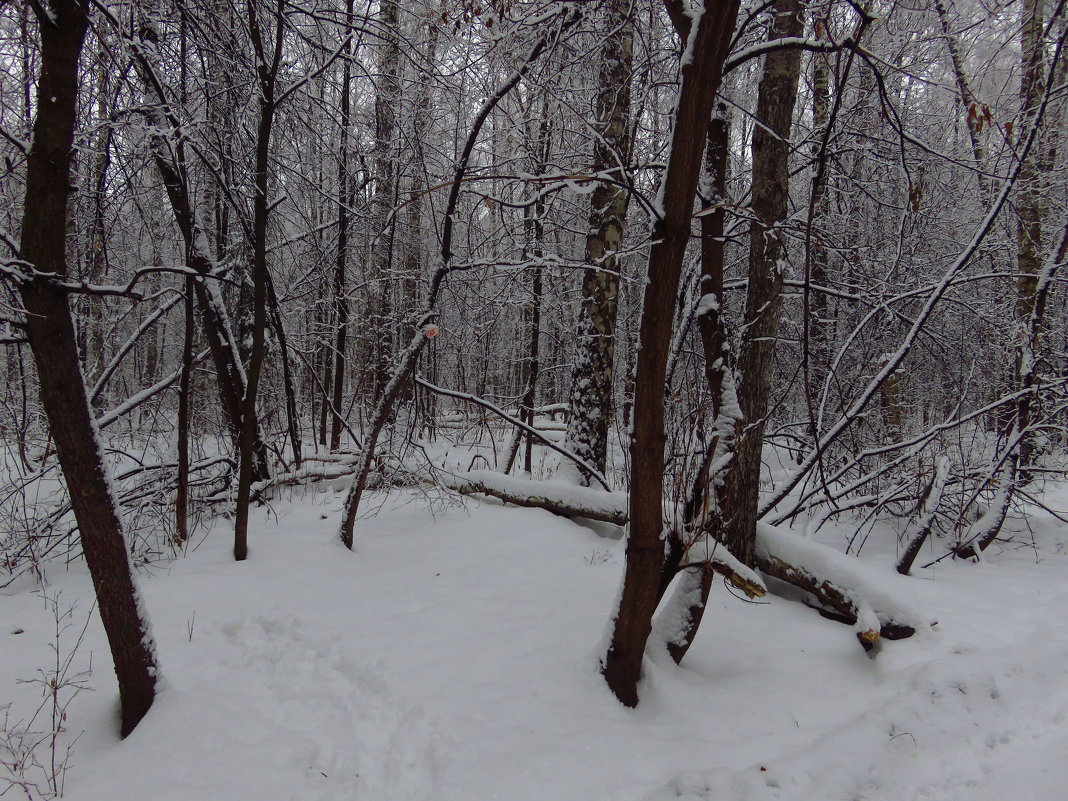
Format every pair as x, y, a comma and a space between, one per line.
50, 331
706, 34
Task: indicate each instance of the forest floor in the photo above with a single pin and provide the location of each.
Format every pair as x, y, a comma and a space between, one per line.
453, 657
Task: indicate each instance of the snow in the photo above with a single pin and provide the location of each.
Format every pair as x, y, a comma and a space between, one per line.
873, 589
454, 658
708, 303
564, 492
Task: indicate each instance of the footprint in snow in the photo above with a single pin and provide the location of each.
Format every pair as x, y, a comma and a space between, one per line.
336, 715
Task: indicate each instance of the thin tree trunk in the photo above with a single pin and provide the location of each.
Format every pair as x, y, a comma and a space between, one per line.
424, 330
344, 202
817, 322
266, 71
710, 321
181, 500
706, 31
386, 102
974, 113
51, 335
168, 153
274, 310
101, 161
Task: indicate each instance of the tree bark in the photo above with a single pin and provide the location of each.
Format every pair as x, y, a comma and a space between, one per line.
345, 200
706, 31
776, 97
267, 72
591, 384
409, 356
1030, 206
168, 153
387, 100
51, 335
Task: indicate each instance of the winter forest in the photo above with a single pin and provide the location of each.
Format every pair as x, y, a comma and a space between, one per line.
471, 399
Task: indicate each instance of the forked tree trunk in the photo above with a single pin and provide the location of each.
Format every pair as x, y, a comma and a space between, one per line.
767, 253
706, 32
50, 331
591, 384
530, 367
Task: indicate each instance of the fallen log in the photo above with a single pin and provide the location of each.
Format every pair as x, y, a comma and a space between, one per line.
843, 588
560, 498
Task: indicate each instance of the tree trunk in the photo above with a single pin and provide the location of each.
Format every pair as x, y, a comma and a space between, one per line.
1030, 206
710, 322
97, 257
168, 153
424, 329
51, 335
344, 202
267, 71
816, 339
185, 387
591, 384
706, 32
776, 96
387, 101
973, 112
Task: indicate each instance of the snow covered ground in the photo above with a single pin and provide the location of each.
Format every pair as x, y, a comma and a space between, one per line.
453, 657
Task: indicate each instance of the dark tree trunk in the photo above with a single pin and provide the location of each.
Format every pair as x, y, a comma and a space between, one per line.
267, 71
767, 252
185, 387
1030, 206
706, 47
345, 199
531, 366
51, 335
168, 154
816, 337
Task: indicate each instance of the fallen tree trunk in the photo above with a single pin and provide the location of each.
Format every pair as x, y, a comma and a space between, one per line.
843, 589
566, 500
840, 585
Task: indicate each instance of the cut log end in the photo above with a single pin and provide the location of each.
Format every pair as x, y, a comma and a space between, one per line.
871, 641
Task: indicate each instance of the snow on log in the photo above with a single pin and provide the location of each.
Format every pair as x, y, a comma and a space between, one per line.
558, 497
853, 592
325, 471
847, 589
706, 551
680, 615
